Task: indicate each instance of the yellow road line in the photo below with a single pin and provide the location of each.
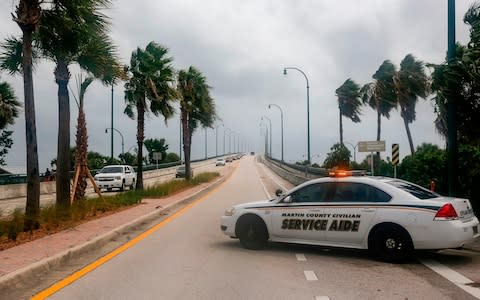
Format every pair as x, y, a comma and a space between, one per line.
89, 268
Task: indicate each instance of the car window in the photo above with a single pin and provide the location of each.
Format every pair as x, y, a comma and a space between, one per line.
415, 190
358, 192
112, 170
317, 192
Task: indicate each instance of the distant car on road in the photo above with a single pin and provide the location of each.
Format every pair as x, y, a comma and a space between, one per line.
389, 217
116, 176
180, 172
220, 162
229, 159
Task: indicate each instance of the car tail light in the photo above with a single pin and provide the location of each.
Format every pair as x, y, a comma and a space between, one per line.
446, 213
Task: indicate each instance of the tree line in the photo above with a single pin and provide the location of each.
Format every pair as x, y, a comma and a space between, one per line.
76, 32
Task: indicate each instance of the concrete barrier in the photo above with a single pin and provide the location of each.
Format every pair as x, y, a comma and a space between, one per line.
9, 191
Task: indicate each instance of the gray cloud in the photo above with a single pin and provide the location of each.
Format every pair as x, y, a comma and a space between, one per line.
242, 47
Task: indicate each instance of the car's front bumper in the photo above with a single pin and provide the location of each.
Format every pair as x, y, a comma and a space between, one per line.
228, 225
109, 184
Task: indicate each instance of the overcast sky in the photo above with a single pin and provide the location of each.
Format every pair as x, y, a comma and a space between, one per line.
242, 48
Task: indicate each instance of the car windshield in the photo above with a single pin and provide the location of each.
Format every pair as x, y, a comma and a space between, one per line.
111, 170
415, 190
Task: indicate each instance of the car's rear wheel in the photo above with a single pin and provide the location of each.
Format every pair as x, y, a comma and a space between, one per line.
133, 185
390, 243
252, 232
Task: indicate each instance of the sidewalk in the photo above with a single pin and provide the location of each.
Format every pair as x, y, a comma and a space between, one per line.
25, 261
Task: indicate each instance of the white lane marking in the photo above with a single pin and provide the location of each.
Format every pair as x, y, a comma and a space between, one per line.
310, 275
452, 276
301, 257
322, 298
263, 185
273, 177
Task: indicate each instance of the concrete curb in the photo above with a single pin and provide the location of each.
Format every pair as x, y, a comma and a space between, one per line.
31, 272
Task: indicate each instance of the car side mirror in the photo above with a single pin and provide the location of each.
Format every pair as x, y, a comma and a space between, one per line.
279, 192
287, 199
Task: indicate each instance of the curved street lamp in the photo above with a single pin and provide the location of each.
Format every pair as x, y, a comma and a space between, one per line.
229, 132
121, 135
270, 121
216, 139
354, 150
308, 106
281, 121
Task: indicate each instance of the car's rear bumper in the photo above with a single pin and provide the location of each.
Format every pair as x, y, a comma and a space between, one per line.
449, 234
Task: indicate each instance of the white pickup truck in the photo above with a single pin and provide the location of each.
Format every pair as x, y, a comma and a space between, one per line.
116, 176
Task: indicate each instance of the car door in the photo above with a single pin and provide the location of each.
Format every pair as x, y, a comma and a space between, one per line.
351, 211
128, 176
300, 217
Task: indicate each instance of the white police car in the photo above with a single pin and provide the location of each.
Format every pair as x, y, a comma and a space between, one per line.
387, 216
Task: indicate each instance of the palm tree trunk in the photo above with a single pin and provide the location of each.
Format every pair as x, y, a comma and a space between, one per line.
62, 76
379, 124
341, 128
33, 181
140, 138
81, 153
409, 135
187, 142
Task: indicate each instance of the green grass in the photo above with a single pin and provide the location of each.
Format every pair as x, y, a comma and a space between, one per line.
53, 219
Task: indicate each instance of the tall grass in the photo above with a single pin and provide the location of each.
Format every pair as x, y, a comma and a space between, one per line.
53, 219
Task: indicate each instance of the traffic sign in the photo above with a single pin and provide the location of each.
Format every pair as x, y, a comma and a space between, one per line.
371, 146
157, 156
395, 154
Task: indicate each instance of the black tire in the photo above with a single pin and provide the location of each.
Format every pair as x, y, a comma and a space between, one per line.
252, 232
390, 243
122, 188
133, 185
109, 189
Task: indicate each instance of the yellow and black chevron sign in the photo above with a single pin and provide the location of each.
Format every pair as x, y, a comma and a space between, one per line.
395, 154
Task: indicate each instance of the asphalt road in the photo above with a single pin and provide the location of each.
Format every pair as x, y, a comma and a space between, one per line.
189, 258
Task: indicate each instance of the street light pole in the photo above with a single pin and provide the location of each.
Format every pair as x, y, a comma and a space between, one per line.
270, 121
452, 144
206, 143
111, 129
281, 121
121, 135
354, 150
216, 140
308, 107
224, 131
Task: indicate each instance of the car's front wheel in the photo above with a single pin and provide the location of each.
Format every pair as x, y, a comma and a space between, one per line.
252, 232
122, 188
390, 243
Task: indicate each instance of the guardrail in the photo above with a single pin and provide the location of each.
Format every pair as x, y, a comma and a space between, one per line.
22, 178
296, 174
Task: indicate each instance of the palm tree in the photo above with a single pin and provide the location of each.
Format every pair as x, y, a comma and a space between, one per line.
9, 105
349, 103
380, 95
196, 108
81, 137
411, 82
27, 16
74, 32
149, 89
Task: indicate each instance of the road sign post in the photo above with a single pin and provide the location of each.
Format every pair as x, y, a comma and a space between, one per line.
395, 158
371, 146
157, 156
